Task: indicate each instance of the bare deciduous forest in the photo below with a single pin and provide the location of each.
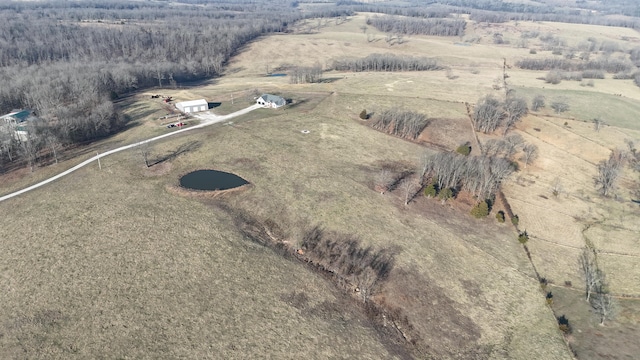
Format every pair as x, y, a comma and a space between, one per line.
68, 62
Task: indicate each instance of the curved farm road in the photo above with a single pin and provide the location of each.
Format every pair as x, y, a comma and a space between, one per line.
207, 119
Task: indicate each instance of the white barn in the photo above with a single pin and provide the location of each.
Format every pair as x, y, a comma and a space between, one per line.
272, 101
193, 106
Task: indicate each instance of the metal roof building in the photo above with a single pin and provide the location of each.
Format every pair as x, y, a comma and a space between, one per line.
193, 106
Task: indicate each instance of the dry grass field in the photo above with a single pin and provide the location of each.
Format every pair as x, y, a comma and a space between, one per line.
115, 263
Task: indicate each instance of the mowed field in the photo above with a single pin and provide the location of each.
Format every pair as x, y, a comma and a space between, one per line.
115, 261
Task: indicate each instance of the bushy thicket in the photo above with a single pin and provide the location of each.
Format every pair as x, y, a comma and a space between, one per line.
406, 124
386, 62
416, 26
480, 210
464, 149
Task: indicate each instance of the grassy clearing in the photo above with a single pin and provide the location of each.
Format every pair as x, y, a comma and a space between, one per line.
621, 112
176, 260
145, 273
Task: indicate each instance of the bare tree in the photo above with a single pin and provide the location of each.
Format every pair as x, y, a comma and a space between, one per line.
556, 187
409, 188
488, 114
559, 106
608, 172
426, 164
7, 141
590, 272
537, 103
598, 123
512, 143
604, 306
29, 147
529, 154
494, 147
383, 180
515, 108
53, 144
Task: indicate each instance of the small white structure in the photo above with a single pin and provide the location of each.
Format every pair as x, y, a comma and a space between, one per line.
17, 122
272, 101
193, 106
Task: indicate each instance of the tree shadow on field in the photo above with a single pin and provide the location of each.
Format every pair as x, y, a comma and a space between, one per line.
329, 80
182, 149
294, 104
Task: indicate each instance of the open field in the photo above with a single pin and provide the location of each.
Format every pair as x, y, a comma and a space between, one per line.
116, 262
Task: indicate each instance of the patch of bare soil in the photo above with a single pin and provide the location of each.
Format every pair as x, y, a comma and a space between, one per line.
447, 133
442, 330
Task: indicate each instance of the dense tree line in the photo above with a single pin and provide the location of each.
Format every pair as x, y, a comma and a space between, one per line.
413, 26
605, 64
397, 122
418, 9
386, 62
496, 11
574, 18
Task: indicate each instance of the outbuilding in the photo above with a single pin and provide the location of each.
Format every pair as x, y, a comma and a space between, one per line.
193, 106
272, 101
17, 122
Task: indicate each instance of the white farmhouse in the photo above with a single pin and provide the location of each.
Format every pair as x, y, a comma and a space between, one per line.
193, 106
272, 101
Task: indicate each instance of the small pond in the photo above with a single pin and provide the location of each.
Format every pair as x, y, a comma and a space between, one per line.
211, 180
